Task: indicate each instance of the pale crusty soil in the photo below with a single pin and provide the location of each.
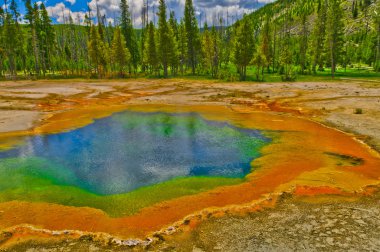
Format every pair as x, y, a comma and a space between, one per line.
293, 225
20, 120
332, 103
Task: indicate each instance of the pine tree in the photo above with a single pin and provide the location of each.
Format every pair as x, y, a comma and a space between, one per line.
226, 44
319, 36
174, 61
40, 35
290, 33
260, 62
266, 41
32, 17
166, 41
120, 53
71, 46
193, 37
17, 35
365, 9
2, 49
129, 34
275, 44
174, 56
143, 39
244, 46
376, 17
286, 53
173, 24
150, 56
215, 41
87, 23
46, 38
207, 50
305, 8
334, 32
97, 51
9, 32
182, 45
262, 55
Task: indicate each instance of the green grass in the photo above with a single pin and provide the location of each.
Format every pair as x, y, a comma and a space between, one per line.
341, 74
229, 74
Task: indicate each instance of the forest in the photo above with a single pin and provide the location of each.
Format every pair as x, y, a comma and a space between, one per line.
287, 38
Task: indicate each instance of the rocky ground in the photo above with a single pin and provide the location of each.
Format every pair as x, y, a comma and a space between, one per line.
350, 105
294, 225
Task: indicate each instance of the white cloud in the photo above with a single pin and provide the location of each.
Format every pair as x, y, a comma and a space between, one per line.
206, 10
62, 14
72, 2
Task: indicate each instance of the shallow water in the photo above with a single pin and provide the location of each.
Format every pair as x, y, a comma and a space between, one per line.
130, 150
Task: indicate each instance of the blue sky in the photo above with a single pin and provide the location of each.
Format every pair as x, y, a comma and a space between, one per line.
208, 10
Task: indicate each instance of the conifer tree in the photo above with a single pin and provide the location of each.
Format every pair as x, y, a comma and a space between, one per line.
376, 18
319, 36
150, 52
46, 38
120, 53
286, 53
174, 56
215, 41
207, 49
166, 43
266, 41
32, 17
260, 62
192, 33
97, 51
290, 32
305, 8
173, 24
13, 37
262, 54
174, 33
9, 30
182, 45
129, 33
244, 46
334, 33
2, 49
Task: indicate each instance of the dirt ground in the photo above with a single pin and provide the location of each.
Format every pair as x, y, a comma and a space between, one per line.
351, 106
292, 225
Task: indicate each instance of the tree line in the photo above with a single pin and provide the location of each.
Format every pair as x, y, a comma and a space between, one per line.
293, 37
288, 37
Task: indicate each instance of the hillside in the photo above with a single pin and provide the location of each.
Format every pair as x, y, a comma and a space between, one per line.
357, 13
300, 29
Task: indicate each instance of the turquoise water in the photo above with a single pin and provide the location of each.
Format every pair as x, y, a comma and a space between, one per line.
130, 150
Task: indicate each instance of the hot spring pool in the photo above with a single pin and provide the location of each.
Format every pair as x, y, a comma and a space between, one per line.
130, 150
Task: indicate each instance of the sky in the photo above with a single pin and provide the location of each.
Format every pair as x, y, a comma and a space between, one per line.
206, 10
